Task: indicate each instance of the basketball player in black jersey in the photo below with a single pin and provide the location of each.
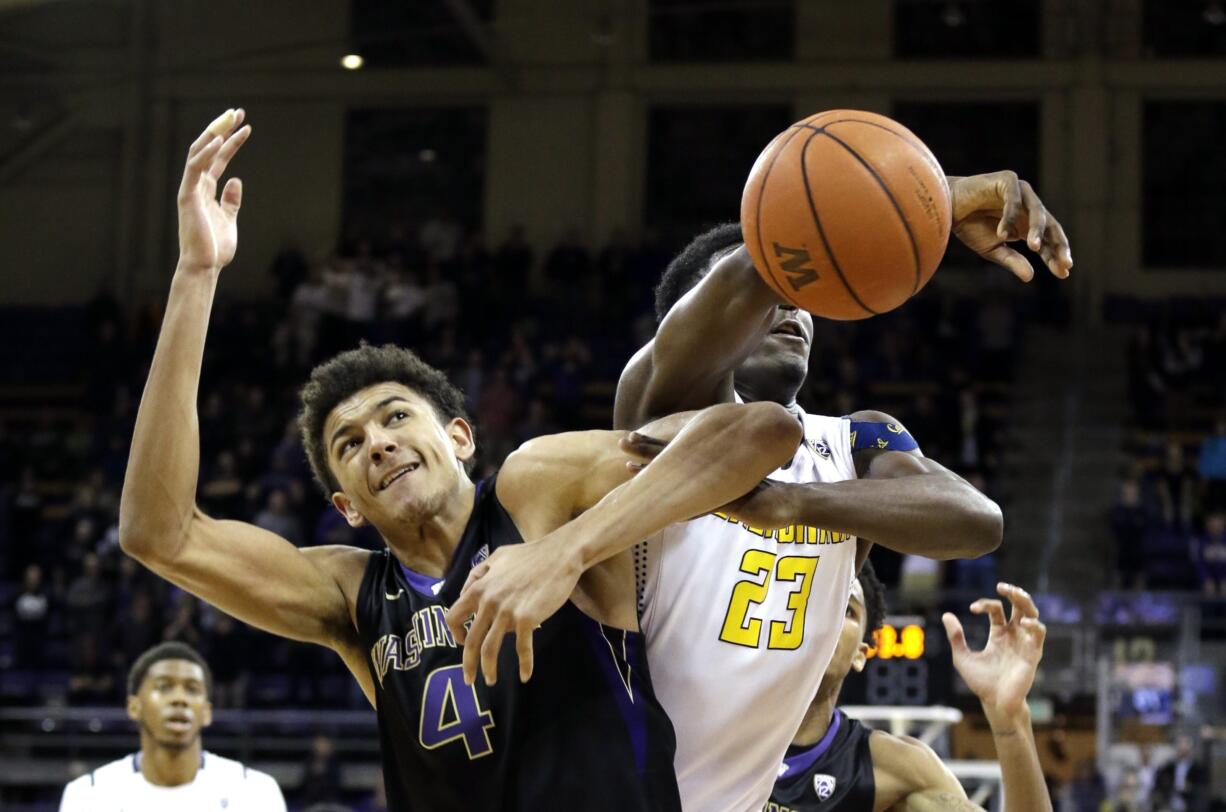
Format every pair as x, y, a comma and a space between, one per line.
837, 763
387, 439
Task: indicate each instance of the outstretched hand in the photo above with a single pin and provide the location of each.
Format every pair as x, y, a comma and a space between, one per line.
208, 226
996, 208
1001, 675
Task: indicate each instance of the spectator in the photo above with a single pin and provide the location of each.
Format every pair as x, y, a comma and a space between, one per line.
31, 609
135, 630
513, 263
321, 775
1209, 555
228, 656
183, 626
440, 237
1176, 487
289, 269
88, 599
222, 492
1130, 524
1181, 784
1126, 797
90, 681
276, 517
1213, 465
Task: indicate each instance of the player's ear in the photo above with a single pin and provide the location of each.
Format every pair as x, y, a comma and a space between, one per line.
462, 438
860, 658
206, 717
134, 708
346, 509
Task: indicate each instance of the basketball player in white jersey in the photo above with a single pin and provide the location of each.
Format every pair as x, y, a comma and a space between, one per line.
168, 697
734, 611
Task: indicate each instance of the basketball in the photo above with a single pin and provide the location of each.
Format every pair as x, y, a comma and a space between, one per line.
846, 214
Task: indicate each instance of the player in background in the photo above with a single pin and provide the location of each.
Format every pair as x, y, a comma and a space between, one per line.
750, 597
168, 698
388, 442
837, 763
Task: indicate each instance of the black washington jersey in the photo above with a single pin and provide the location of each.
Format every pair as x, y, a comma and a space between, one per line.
835, 773
586, 732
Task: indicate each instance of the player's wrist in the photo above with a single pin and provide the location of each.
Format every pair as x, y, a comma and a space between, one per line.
1007, 721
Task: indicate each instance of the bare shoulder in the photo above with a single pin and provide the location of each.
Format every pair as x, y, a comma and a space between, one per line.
904, 766
346, 565
628, 403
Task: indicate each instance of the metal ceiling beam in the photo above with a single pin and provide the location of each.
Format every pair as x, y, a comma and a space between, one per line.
36, 145
471, 24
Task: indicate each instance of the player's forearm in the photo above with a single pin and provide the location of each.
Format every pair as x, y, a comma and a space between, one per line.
720, 455
1025, 789
703, 338
159, 489
935, 515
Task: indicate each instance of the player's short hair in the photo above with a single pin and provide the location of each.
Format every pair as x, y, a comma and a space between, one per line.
172, 650
693, 263
874, 600
354, 370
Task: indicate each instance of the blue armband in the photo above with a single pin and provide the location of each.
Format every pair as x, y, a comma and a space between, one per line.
882, 436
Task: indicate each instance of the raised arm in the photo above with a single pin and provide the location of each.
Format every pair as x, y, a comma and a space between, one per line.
704, 337
1001, 676
719, 454
247, 572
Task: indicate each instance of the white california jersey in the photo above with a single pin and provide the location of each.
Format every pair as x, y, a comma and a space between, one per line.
740, 626
220, 784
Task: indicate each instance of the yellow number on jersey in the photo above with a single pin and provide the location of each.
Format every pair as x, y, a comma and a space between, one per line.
739, 628
788, 635
743, 630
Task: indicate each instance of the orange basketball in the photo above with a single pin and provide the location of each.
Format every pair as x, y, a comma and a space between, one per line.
846, 214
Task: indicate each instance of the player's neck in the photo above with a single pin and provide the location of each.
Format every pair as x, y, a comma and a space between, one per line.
429, 546
167, 766
817, 718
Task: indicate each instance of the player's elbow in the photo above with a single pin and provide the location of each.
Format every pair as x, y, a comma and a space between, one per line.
985, 524
774, 430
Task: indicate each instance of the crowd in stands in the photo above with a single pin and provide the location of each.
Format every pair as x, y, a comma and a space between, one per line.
1169, 519
536, 343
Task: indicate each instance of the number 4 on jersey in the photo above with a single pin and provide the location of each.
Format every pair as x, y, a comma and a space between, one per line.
451, 710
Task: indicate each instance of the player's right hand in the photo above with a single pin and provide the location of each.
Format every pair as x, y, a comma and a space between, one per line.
996, 208
1001, 674
208, 227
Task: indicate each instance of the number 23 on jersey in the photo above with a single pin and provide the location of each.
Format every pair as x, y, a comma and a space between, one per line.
793, 570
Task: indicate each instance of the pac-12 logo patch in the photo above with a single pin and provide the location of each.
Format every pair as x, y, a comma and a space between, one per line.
481, 555
820, 448
823, 785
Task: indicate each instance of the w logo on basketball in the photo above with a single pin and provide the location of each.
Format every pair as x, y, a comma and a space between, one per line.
795, 263
823, 785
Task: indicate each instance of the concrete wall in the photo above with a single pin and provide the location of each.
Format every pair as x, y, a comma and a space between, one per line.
568, 88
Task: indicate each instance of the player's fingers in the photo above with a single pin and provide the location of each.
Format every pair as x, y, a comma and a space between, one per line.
474, 641
1036, 214
232, 196
640, 445
1023, 603
460, 612
1057, 241
953, 630
1037, 629
1011, 260
523, 646
228, 150
491, 646
992, 608
1009, 226
193, 170
224, 124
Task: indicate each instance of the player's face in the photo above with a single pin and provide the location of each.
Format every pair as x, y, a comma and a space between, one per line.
777, 368
851, 650
172, 706
395, 461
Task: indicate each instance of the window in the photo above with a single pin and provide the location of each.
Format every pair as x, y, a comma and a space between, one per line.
966, 29
1183, 173
1188, 28
698, 160
721, 30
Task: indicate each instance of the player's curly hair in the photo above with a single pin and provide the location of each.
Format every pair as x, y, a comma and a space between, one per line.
172, 650
693, 263
354, 370
874, 600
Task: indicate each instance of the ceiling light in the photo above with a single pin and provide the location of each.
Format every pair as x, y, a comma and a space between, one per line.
352, 61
